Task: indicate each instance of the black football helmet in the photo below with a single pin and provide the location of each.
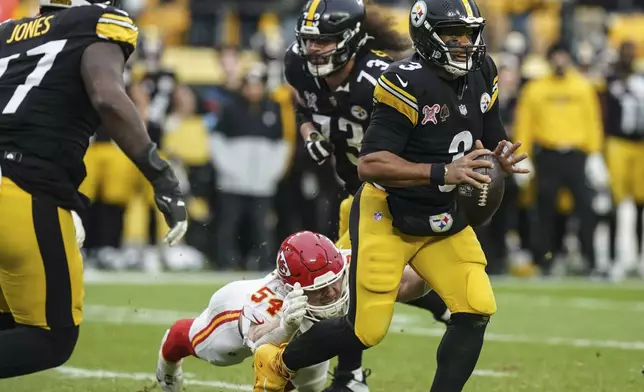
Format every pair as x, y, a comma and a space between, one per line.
77, 3
429, 19
338, 21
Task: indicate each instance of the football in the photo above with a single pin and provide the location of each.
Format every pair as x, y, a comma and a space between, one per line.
479, 205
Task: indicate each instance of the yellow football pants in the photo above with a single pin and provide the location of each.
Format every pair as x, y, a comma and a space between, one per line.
344, 242
625, 161
41, 268
453, 266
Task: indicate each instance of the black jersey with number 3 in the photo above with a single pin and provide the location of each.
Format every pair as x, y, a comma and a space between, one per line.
424, 118
341, 115
46, 117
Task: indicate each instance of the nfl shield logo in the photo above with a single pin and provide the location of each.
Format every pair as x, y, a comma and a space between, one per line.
377, 216
463, 110
441, 223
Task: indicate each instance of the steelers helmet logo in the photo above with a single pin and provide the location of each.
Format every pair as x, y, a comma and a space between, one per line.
418, 13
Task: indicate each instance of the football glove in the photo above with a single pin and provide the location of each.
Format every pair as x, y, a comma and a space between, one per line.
319, 148
80, 230
167, 193
523, 180
596, 171
294, 309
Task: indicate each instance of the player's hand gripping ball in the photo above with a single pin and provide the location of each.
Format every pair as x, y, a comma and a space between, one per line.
479, 205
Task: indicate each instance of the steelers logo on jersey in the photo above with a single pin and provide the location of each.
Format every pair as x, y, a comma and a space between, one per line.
359, 112
418, 13
485, 102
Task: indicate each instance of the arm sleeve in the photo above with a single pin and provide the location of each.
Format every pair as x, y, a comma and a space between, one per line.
388, 131
493, 128
394, 116
116, 26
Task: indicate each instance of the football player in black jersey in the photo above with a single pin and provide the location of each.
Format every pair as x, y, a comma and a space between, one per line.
61, 75
624, 99
435, 112
333, 67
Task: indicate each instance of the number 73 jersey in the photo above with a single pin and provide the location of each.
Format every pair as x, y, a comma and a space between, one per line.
341, 115
44, 108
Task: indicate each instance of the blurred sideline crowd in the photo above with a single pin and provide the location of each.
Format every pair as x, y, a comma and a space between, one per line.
571, 88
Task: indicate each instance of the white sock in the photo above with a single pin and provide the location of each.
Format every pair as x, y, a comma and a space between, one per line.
357, 374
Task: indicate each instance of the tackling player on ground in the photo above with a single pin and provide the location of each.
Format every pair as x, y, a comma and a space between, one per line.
310, 283
334, 66
434, 113
61, 75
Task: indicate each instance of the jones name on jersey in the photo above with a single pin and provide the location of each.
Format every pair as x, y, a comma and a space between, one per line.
341, 115
46, 118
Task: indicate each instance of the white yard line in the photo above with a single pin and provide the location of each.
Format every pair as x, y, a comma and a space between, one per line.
402, 324
96, 277
589, 303
74, 372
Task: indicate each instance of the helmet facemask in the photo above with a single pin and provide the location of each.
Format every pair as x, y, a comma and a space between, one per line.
336, 308
455, 58
324, 64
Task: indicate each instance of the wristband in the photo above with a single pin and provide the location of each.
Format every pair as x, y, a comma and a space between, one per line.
438, 173
154, 168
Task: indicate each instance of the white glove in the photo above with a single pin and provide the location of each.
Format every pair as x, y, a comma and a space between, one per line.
80, 230
294, 309
523, 180
319, 148
596, 171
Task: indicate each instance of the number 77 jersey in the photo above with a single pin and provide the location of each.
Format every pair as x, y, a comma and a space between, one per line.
44, 108
341, 115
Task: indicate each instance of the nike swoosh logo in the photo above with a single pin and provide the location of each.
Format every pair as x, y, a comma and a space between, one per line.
257, 321
404, 84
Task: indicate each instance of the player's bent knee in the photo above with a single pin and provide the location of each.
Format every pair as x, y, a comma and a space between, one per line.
62, 342
480, 296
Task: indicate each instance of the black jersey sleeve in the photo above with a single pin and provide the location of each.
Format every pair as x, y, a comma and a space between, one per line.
294, 74
115, 25
395, 114
388, 131
493, 128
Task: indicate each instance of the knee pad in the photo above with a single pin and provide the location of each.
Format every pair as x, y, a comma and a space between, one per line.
479, 292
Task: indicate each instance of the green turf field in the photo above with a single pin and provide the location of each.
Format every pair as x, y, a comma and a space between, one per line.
555, 336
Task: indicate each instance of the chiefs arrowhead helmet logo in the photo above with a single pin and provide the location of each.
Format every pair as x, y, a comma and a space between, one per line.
282, 266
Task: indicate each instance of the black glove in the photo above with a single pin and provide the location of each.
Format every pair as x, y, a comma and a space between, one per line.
319, 148
167, 194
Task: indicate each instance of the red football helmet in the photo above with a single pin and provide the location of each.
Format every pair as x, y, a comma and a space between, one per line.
314, 262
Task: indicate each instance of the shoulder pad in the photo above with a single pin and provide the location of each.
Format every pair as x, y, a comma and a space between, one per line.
116, 25
395, 89
293, 64
492, 79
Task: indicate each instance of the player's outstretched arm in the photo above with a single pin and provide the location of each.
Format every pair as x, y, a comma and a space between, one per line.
102, 72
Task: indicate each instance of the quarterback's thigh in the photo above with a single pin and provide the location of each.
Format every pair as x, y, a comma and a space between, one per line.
617, 161
455, 268
379, 255
41, 269
312, 378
